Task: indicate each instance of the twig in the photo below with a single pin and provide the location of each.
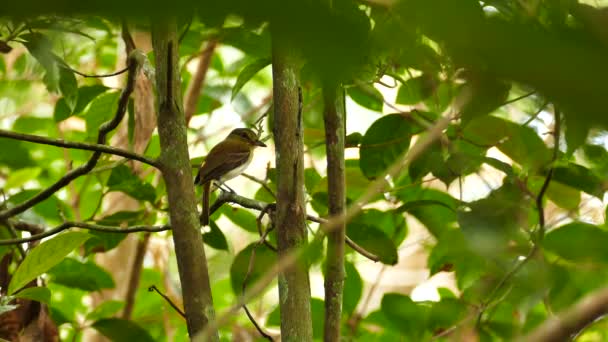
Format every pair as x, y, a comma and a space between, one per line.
168, 300
268, 211
133, 66
518, 98
20, 225
101, 148
116, 73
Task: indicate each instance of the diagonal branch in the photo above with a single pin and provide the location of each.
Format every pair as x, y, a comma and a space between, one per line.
25, 226
79, 146
134, 62
571, 322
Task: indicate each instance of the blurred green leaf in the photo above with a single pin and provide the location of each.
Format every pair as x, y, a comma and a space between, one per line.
123, 179
383, 143
374, 241
36, 293
353, 288
580, 177
15, 154
44, 256
68, 87
105, 310
403, 314
86, 276
215, 237
485, 95
18, 178
263, 261
416, 90
578, 242
247, 73
122, 330
367, 96
241, 217
101, 109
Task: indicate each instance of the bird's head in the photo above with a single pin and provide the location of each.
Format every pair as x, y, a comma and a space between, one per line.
246, 135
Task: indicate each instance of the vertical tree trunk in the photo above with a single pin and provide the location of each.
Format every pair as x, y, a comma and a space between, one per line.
177, 173
334, 272
294, 284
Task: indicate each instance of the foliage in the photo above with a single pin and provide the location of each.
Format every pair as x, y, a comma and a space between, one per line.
514, 219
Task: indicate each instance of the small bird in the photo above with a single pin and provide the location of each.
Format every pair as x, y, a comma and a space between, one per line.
225, 161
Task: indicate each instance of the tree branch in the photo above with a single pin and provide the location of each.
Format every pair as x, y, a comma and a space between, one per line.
231, 197
21, 225
134, 61
79, 146
168, 300
193, 91
573, 320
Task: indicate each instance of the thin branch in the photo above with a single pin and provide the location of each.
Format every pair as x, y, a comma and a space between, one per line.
133, 63
572, 321
231, 197
168, 300
518, 98
116, 73
20, 225
79, 146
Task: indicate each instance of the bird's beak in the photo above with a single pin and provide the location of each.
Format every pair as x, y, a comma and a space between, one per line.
259, 143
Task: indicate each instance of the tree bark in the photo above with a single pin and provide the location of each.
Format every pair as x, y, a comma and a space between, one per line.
177, 173
294, 284
334, 116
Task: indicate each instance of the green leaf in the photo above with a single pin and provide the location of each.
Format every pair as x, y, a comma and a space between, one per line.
50, 208
62, 111
39, 294
99, 111
207, 104
86, 94
122, 330
445, 314
44, 256
374, 241
14, 154
264, 260
409, 317
240, 217
105, 310
392, 223
42, 49
367, 96
437, 218
383, 143
68, 87
123, 179
578, 242
416, 90
215, 237
580, 177
84, 276
247, 73
353, 288
17, 178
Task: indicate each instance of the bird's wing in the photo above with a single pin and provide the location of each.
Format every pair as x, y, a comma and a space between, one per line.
223, 158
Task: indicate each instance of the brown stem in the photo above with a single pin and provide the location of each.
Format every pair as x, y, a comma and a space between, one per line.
168, 300
177, 173
334, 116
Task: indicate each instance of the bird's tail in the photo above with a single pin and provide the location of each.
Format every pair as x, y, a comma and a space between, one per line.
205, 214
